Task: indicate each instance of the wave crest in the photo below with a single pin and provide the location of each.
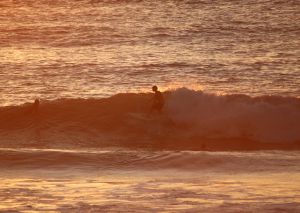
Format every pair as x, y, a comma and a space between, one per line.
265, 118
191, 119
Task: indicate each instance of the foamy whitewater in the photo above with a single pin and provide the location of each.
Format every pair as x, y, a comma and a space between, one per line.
228, 137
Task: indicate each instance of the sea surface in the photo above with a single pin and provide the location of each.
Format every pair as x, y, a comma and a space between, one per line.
89, 180
97, 48
227, 140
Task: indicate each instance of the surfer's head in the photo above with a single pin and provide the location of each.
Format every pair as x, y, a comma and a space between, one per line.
154, 88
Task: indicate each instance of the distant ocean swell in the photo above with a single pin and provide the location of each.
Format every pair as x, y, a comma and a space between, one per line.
122, 159
190, 120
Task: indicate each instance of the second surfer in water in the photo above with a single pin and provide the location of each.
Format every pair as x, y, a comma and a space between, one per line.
158, 100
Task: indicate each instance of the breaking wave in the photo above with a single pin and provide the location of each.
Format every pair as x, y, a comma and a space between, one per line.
190, 120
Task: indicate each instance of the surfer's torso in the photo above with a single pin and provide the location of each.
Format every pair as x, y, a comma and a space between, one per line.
158, 101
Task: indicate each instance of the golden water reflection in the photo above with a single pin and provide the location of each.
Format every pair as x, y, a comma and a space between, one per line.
145, 191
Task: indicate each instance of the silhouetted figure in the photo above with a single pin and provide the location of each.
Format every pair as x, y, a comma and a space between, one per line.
158, 100
36, 105
36, 119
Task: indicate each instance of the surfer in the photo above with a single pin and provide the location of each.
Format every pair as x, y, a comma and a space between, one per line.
158, 100
36, 119
35, 107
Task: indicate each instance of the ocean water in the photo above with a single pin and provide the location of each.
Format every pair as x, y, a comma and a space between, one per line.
91, 180
227, 140
89, 48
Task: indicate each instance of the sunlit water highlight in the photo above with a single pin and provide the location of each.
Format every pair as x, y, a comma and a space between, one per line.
146, 181
142, 191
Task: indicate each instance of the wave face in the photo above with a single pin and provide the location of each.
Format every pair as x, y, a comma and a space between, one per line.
190, 120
